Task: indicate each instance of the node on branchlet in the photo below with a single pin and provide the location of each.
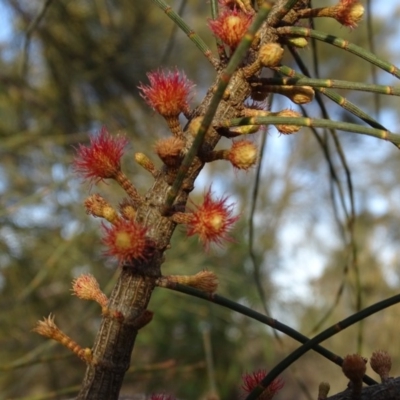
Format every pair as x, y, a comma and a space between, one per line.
168, 93
381, 363
251, 381
49, 329
211, 221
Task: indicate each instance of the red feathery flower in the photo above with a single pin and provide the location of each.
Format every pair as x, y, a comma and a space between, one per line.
168, 92
212, 220
230, 26
126, 240
102, 159
251, 381
349, 12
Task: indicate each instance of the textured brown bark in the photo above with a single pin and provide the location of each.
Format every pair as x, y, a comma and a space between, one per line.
389, 390
130, 297
116, 338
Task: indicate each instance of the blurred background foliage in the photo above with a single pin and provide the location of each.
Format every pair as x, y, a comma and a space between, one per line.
82, 64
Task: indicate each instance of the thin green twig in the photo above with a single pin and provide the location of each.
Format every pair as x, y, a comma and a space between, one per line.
171, 40
331, 83
194, 37
342, 44
371, 45
338, 99
317, 123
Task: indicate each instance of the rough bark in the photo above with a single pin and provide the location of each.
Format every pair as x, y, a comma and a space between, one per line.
116, 337
129, 299
389, 390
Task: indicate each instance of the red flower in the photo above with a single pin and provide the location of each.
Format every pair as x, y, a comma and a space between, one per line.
230, 26
251, 381
349, 12
212, 220
168, 92
126, 240
102, 159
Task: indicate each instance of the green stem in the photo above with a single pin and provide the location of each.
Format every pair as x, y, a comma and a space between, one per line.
193, 36
331, 83
337, 98
316, 123
342, 44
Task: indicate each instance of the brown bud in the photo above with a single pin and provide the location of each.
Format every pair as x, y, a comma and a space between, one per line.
288, 129
170, 150
270, 54
243, 154
381, 363
354, 367
323, 390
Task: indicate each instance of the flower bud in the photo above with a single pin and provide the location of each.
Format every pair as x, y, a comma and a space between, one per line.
270, 54
243, 154
381, 363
